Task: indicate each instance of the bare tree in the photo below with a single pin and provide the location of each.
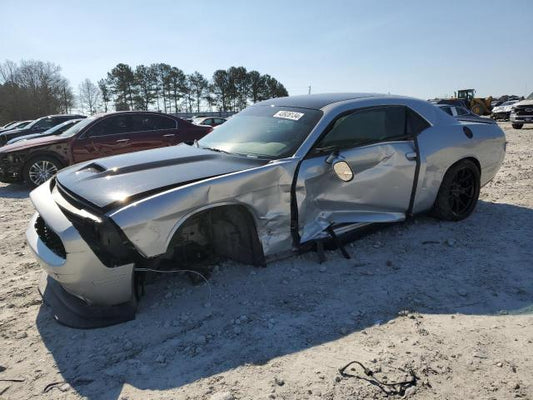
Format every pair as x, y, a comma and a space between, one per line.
89, 97
32, 89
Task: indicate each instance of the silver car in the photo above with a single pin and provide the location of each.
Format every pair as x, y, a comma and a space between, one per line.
279, 176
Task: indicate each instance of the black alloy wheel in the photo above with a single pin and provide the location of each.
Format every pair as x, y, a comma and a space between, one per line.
459, 192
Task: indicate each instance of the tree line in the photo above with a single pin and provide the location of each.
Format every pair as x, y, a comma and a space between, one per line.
31, 89
166, 88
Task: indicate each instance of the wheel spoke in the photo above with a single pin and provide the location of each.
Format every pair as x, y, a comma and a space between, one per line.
40, 171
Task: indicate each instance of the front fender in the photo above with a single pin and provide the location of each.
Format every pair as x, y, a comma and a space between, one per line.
150, 223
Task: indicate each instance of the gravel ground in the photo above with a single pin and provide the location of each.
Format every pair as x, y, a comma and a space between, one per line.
453, 302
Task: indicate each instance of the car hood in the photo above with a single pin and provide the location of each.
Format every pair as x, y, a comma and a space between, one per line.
118, 180
31, 143
27, 137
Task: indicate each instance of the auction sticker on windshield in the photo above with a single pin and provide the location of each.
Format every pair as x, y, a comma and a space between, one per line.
295, 116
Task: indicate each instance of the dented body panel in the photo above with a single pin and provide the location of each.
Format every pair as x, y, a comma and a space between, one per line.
148, 198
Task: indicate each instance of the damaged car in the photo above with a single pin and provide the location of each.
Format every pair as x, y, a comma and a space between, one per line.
281, 175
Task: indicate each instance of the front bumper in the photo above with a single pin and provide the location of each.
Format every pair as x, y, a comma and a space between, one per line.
522, 119
78, 270
10, 172
500, 115
71, 311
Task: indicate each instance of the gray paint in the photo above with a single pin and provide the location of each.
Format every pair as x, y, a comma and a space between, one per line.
379, 191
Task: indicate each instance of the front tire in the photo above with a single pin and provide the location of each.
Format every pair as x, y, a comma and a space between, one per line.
459, 192
39, 169
517, 126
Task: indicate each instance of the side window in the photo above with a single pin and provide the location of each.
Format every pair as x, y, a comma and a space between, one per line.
46, 123
447, 110
162, 122
367, 126
110, 126
142, 123
462, 111
415, 123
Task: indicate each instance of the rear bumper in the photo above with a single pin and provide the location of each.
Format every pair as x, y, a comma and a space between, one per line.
79, 271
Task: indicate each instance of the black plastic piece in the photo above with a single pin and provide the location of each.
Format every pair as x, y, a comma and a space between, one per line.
73, 312
338, 243
320, 251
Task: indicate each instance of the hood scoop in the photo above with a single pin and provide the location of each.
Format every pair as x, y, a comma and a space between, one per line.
138, 174
93, 167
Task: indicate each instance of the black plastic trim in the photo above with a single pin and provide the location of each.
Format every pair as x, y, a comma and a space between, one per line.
73, 312
409, 212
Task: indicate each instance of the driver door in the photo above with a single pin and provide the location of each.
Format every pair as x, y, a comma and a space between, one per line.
376, 155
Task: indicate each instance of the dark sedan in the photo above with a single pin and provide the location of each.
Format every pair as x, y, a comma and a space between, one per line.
39, 125
36, 160
56, 130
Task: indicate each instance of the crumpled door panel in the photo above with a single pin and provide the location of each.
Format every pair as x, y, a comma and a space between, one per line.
379, 192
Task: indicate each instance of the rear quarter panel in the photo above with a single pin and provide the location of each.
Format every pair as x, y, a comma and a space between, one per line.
441, 146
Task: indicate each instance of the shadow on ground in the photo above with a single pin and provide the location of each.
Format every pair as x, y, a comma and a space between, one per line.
14, 191
480, 266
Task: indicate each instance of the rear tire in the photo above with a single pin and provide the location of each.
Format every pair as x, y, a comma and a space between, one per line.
39, 169
459, 192
517, 126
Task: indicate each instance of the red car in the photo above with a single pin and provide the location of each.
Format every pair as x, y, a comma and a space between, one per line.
36, 160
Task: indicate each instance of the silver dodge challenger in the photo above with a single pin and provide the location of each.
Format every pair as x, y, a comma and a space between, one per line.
281, 175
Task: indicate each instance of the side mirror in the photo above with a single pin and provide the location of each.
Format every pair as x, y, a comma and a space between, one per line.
343, 170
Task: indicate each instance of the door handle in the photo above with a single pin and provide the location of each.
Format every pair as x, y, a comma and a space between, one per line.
169, 135
411, 156
122, 140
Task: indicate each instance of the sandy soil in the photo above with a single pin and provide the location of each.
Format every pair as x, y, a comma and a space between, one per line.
453, 302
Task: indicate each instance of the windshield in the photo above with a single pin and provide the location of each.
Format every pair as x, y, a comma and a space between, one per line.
78, 127
61, 127
266, 132
34, 122
22, 124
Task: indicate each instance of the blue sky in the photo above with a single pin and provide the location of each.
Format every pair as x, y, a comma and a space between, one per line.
419, 48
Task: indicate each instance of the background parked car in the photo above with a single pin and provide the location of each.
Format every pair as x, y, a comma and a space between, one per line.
56, 130
211, 121
15, 125
36, 160
8, 124
39, 125
463, 114
522, 112
503, 111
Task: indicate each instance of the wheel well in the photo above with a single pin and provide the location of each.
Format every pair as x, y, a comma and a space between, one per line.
227, 231
37, 155
474, 160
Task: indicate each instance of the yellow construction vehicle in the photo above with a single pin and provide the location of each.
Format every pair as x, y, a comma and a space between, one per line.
478, 105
